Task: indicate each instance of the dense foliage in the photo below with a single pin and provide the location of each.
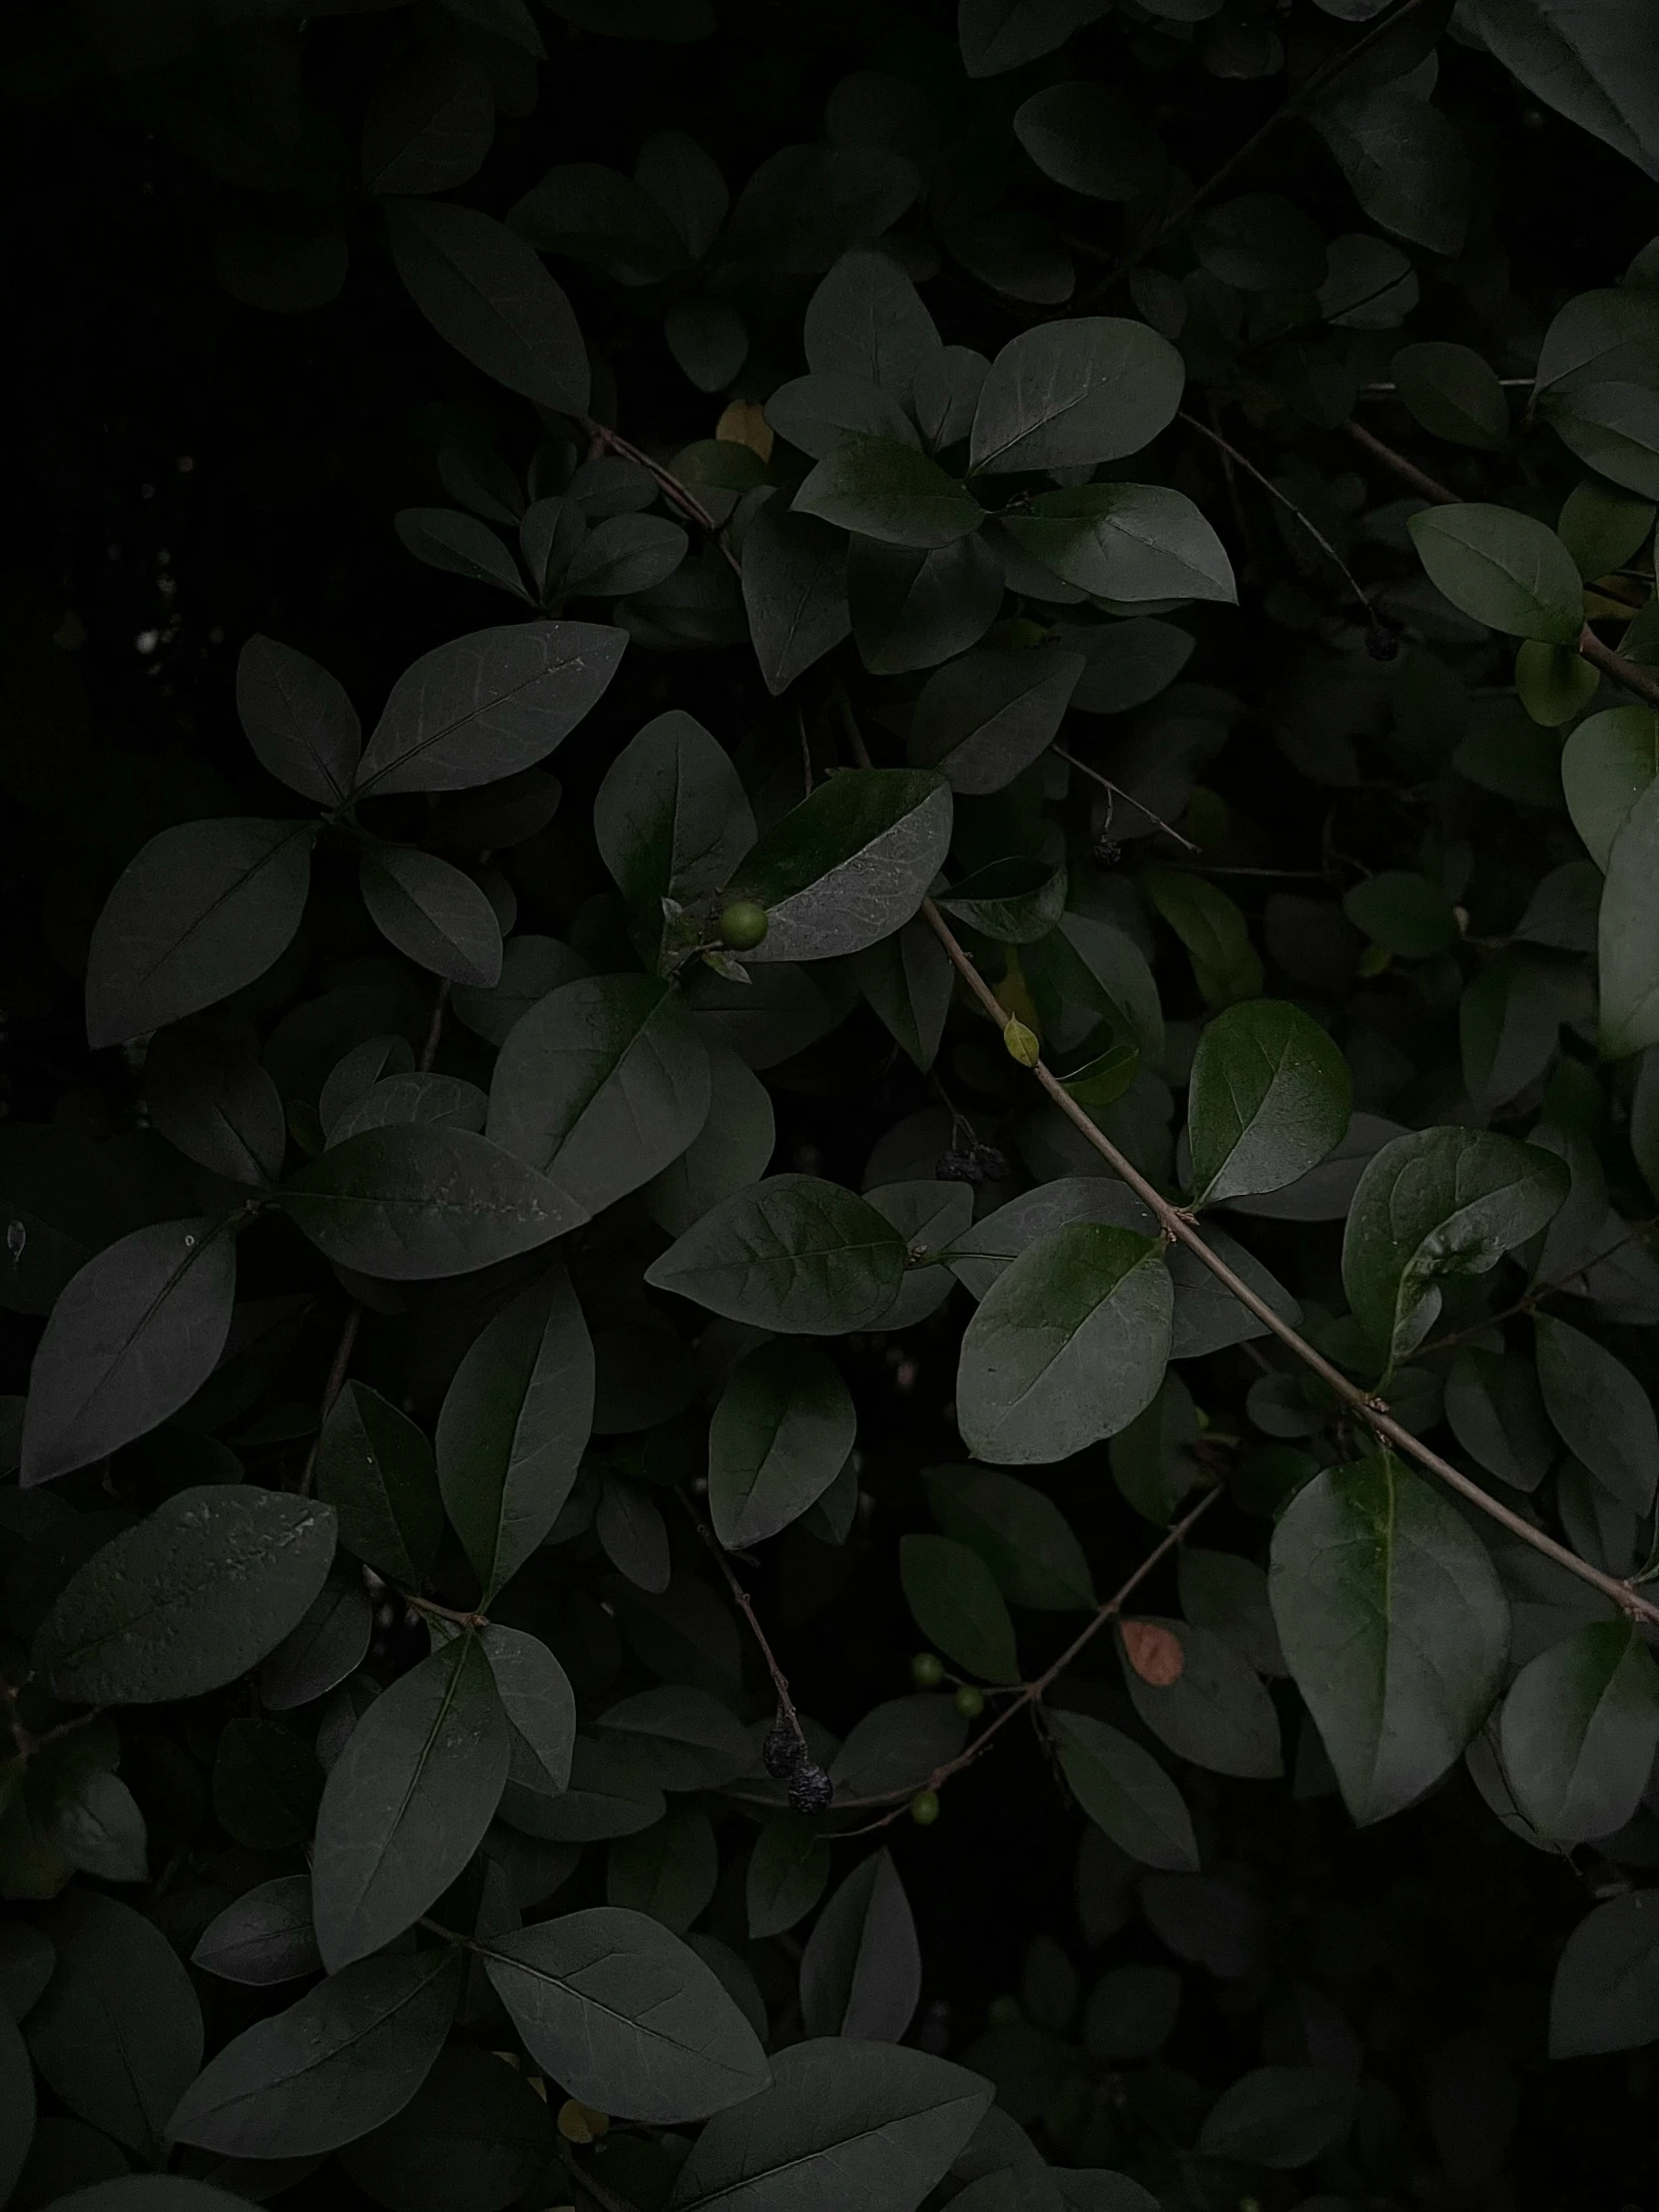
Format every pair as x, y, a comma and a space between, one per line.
886, 1442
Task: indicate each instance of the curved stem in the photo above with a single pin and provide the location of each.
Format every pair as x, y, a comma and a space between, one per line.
1272, 489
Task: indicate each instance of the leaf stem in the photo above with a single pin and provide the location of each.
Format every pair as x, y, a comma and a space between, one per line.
1178, 1226
779, 1681
674, 491
1116, 792
1272, 489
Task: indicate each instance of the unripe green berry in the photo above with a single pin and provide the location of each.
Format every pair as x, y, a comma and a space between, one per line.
924, 1807
971, 1701
926, 1670
1005, 2011
742, 924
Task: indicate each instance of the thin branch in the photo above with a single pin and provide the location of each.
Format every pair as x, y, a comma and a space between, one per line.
1408, 471
1117, 791
331, 1389
1178, 1226
435, 1030
1642, 680
444, 1612
1272, 489
674, 491
1534, 1298
1305, 92
1384, 392
779, 1681
1032, 1693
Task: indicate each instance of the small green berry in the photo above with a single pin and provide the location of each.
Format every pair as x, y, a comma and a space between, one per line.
926, 1670
1005, 2011
742, 924
971, 1701
924, 1807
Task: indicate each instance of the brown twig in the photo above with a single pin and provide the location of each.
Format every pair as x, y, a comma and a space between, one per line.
674, 491
1643, 682
332, 1389
1178, 1226
1032, 1693
1316, 82
1117, 791
1408, 471
779, 1681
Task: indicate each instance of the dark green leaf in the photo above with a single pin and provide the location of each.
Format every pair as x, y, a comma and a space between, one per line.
984, 719
118, 2034
1403, 912
844, 2122
483, 290
265, 1937
1393, 1624
1453, 393
1092, 140
788, 1873
17, 2105
913, 610
1606, 1991
473, 2140
428, 125
1215, 1713
671, 819
867, 320
732, 1150
189, 1599
957, 1606
1496, 1414
1586, 63
131, 1337
794, 590
601, 1085
1578, 1732
486, 706
626, 2017
1126, 542
860, 1972
826, 415
434, 913
1601, 1412
1403, 159
887, 490
1068, 1344
780, 1437
1271, 1096
1280, 2116
202, 910
326, 1644
669, 1873
342, 2060
417, 1201
1628, 934
1435, 1203
407, 1802
374, 1468
515, 1422
848, 864
687, 1737
216, 1104
1607, 763
299, 720
1071, 395
792, 1254
1124, 1791
1503, 568
1021, 1536
267, 1782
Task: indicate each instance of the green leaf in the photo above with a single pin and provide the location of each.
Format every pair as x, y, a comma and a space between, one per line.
1013, 902
806, 204
896, 1746
485, 290
140, 2192
1225, 964
788, 1873
131, 1338
1067, 1347
473, 2140
1553, 683
601, 1085
1509, 1021
1601, 1412
216, 1104
626, 2017
867, 320
1435, 1203
1403, 912
187, 1601
709, 339
1607, 763
792, 1254
1394, 1625
687, 1737
1453, 393
540, 1706
780, 1436
1612, 427
27, 1959
1125, 663
264, 1938
1091, 139
669, 1872
982, 719
328, 1643
461, 544
671, 819
267, 1782
407, 1802
428, 125
794, 590
514, 1423
1124, 1792
202, 910
1578, 1732
1605, 1994
1269, 1097
17, 2105
1229, 1595
844, 2122
1073, 395
531, 966
596, 216
733, 1149
419, 1201
1496, 1414
1280, 2116
1588, 64
299, 720
860, 1972
1628, 934
907, 979
487, 705
957, 1606
345, 2060
888, 491
826, 415
1021, 1536
1404, 162
913, 610
118, 2034
1503, 568
623, 554
849, 865
1126, 542
610, 1793
374, 1468
1216, 1713
434, 913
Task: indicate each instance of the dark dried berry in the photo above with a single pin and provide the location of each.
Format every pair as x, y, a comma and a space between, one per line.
959, 1167
1108, 851
1382, 644
810, 1789
782, 1753
994, 1164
